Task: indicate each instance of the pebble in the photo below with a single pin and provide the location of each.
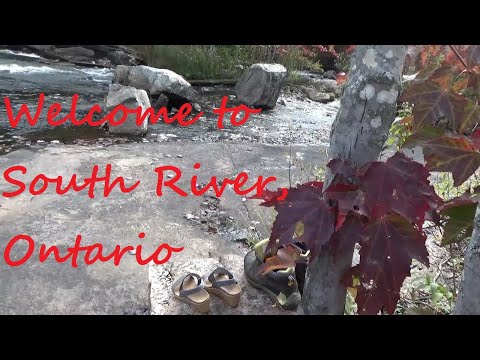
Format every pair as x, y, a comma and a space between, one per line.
179, 156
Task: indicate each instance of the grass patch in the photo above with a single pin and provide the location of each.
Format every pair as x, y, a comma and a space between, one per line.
200, 62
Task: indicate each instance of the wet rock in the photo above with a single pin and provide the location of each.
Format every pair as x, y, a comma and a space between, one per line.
162, 101
197, 107
40, 47
155, 81
119, 57
330, 74
261, 84
75, 51
131, 98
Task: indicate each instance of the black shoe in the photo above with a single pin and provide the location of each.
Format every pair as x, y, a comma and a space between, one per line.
274, 283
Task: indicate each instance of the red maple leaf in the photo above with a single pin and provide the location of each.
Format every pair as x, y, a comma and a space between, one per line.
388, 246
303, 216
455, 154
400, 185
348, 235
473, 56
434, 104
474, 84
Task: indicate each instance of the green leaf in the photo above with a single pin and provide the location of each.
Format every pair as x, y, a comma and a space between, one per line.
460, 214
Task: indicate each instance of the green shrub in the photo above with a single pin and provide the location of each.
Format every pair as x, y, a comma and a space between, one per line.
222, 61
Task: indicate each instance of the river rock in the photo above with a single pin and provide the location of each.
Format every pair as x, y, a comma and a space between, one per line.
119, 57
261, 84
155, 81
75, 51
330, 74
325, 85
320, 97
162, 101
131, 98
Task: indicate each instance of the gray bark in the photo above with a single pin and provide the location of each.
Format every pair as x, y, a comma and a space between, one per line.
368, 108
468, 300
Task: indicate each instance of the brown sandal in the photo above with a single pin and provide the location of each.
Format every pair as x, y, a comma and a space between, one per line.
222, 283
190, 289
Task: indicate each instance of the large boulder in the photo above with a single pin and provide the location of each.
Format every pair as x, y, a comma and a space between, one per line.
131, 98
260, 85
155, 81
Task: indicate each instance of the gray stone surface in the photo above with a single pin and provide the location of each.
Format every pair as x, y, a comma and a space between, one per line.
131, 98
261, 84
155, 81
102, 288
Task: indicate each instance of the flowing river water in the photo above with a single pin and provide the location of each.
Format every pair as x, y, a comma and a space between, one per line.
24, 76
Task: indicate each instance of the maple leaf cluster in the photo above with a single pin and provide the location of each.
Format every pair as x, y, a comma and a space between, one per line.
382, 206
446, 115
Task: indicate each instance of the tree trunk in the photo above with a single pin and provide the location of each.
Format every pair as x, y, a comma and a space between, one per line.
468, 300
367, 110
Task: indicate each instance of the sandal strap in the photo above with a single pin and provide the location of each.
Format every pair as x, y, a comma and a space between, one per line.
221, 283
186, 293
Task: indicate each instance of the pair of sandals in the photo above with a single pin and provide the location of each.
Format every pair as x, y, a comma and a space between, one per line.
195, 290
